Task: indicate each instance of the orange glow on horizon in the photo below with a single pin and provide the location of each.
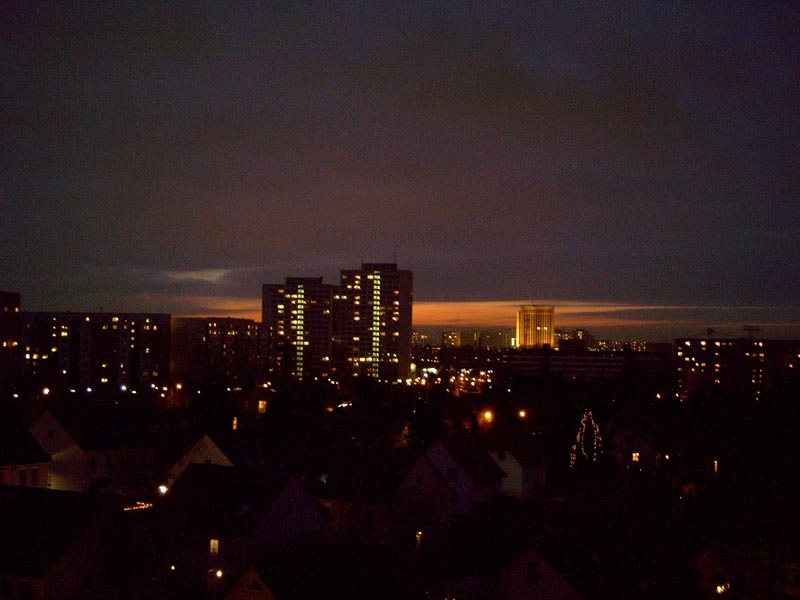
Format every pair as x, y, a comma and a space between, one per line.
490, 314
216, 306
501, 314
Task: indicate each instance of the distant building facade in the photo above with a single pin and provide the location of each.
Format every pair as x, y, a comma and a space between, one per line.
372, 325
297, 327
10, 330
96, 351
361, 327
214, 351
706, 365
575, 340
593, 366
451, 339
535, 326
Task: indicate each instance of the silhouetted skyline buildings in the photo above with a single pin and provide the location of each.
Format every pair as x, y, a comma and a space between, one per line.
95, 352
312, 330
10, 329
361, 327
216, 352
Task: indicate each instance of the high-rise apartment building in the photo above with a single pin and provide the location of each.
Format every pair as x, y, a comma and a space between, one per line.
372, 331
10, 329
297, 326
96, 351
735, 366
361, 327
215, 351
535, 326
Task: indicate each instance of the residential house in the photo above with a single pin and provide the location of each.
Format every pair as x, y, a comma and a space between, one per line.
50, 545
359, 488
529, 575
215, 520
22, 460
449, 478
94, 449
525, 472
202, 452
633, 440
249, 586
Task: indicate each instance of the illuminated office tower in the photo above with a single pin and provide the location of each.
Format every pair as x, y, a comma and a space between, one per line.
372, 331
535, 326
297, 327
10, 329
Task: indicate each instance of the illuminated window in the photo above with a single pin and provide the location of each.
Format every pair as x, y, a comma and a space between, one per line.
635, 457
235, 425
262, 407
213, 546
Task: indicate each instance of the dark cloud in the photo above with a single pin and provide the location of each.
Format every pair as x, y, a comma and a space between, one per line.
642, 153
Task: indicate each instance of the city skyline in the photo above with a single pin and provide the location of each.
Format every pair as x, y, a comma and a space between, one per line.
608, 321
634, 166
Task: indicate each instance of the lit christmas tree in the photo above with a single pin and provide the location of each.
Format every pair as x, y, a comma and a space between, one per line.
588, 442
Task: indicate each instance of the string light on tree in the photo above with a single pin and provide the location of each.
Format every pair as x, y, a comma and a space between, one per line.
588, 442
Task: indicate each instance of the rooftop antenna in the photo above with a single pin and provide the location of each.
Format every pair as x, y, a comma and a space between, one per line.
394, 254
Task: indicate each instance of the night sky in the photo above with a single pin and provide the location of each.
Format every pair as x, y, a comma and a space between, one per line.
636, 164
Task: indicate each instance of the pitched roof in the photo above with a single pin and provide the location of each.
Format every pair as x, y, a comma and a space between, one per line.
221, 500
363, 474
104, 428
17, 445
21, 448
474, 459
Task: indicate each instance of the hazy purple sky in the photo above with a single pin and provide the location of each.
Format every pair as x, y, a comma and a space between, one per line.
174, 158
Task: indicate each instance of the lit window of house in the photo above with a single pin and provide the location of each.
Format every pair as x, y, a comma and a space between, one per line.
635, 457
213, 546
